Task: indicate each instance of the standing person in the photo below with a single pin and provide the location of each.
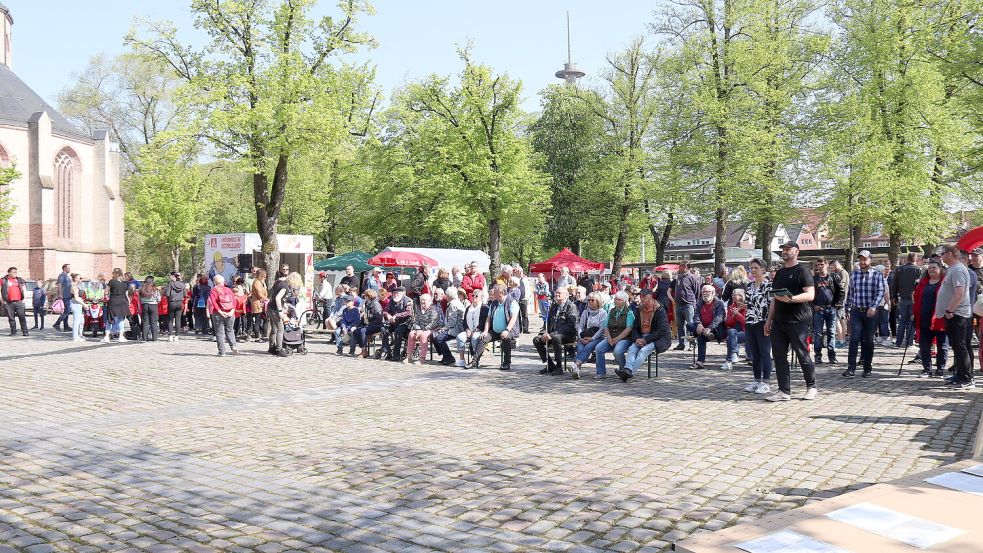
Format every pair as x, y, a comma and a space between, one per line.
349, 278
221, 308
586, 281
149, 300
276, 310
326, 295
866, 294
523, 299
930, 328
501, 323
65, 293
199, 298
953, 305
561, 329
788, 323
456, 276
543, 297
119, 305
842, 317
443, 280
136, 311
241, 317
373, 282
174, 293
420, 284
736, 281
650, 332
906, 278
687, 291
38, 299
473, 280
758, 343
259, 296
13, 298
829, 296
75, 304
565, 279
884, 310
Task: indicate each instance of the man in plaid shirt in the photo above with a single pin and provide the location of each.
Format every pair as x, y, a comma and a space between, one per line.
866, 293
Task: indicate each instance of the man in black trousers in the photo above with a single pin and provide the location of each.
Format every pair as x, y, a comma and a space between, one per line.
561, 329
788, 323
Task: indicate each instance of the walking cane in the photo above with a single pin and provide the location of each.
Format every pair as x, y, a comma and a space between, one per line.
901, 368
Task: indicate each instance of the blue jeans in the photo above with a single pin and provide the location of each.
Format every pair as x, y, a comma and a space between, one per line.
684, 317
884, 322
734, 339
77, 318
701, 343
759, 351
862, 329
338, 341
584, 350
63, 318
544, 311
116, 325
636, 356
619, 349
906, 324
823, 330
363, 334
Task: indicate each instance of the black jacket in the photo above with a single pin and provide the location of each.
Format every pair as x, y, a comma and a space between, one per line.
563, 319
659, 334
3, 288
905, 279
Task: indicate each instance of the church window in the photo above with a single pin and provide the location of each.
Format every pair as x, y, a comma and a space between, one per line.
67, 169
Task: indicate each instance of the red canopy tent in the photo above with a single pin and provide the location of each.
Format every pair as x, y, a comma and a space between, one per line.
971, 240
568, 259
401, 259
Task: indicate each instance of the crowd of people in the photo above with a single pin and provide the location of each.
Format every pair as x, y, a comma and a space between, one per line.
813, 313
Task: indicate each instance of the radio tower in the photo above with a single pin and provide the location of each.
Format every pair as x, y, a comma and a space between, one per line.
569, 73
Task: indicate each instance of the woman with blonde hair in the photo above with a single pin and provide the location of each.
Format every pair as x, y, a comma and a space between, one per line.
738, 280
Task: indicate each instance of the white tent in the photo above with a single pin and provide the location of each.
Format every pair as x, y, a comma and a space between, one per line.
447, 258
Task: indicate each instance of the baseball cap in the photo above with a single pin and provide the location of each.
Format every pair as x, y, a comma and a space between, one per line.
864, 253
400, 289
790, 244
977, 251
321, 273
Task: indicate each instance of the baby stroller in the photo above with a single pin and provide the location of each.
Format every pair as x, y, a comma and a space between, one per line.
294, 335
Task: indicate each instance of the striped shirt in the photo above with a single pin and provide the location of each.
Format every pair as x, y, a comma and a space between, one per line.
866, 289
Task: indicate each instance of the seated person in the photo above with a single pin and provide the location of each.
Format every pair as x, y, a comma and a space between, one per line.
735, 325
502, 323
650, 332
426, 319
371, 323
708, 323
396, 319
346, 323
617, 334
590, 330
334, 314
453, 325
475, 316
560, 329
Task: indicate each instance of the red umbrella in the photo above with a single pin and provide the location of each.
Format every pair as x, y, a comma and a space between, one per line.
971, 240
398, 258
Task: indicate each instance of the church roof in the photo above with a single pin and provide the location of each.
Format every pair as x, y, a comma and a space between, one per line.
18, 103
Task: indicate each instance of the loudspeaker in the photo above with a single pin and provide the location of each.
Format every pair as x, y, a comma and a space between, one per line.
245, 262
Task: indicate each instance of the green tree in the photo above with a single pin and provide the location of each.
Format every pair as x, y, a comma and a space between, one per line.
466, 156
7, 176
264, 88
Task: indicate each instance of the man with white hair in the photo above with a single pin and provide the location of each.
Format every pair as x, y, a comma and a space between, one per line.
505, 276
565, 279
221, 307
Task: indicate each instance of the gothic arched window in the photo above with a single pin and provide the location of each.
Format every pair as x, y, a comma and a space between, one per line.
67, 169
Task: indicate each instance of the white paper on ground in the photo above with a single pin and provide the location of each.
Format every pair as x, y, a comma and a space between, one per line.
787, 541
895, 525
959, 481
975, 469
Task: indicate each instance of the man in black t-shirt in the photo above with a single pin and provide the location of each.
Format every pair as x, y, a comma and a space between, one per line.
789, 318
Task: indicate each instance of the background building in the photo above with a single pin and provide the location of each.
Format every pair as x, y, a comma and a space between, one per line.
67, 199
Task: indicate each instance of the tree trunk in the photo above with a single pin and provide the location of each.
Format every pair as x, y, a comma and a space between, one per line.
766, 229
661, 240
894, 249
268, 203
851, 253
494, 244
719, 260
176, 258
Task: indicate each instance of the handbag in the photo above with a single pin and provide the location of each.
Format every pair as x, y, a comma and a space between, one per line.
58, 306
590, 332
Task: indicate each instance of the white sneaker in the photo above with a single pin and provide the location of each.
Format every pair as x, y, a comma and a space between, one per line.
752, 386
810, 393
726, 366
763, 388
734, 358
122, 338
576, 372
779, 396
460, 363
175, 338
105, 339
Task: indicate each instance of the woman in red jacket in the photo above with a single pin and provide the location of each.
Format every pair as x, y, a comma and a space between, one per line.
928, 327
735, 321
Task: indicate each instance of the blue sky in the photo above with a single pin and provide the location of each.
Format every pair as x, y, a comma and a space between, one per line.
54, 38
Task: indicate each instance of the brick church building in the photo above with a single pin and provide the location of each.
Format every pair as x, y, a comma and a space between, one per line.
67, 205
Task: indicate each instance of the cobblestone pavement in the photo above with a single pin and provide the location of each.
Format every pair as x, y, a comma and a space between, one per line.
165, 447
